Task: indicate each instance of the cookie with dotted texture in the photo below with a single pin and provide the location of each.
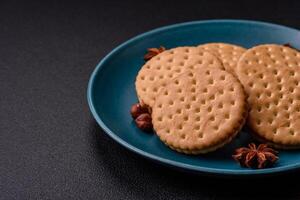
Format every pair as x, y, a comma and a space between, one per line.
229, 54
161, 69
270, 75
200, 110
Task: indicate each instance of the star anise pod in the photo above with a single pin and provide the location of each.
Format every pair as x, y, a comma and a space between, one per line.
289, 45
153, 52
256, 157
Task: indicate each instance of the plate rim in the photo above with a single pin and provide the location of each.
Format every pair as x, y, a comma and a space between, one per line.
165, 161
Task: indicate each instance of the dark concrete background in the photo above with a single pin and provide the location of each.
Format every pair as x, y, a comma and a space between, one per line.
51, 147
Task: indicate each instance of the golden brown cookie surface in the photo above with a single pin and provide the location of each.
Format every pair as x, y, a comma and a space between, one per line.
200, 110
271, 77
229, 54
161, 69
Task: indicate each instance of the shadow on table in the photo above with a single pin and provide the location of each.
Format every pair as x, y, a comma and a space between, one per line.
135, 172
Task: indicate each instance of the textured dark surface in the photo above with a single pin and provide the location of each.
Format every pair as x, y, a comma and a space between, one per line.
51, 147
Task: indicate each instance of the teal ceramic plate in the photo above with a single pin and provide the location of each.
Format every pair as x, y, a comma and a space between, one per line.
111, 92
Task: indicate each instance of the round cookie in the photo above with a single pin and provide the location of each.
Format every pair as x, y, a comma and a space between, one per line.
200, 110
270, 75
161, 69
229, 54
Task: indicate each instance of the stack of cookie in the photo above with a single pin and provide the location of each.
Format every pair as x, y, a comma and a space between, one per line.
200, 97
